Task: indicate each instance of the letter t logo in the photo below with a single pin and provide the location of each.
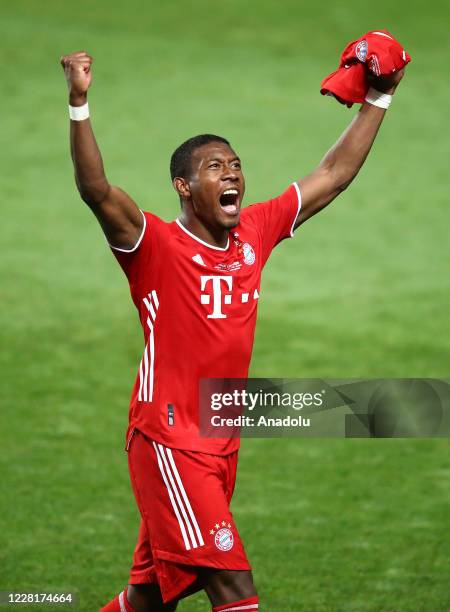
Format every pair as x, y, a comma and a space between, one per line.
217, 294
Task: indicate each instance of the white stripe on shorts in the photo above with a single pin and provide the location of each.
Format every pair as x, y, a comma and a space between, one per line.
183, 501
185, 497
177, 496
172, 499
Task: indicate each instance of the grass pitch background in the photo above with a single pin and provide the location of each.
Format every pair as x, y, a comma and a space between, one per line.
362, 291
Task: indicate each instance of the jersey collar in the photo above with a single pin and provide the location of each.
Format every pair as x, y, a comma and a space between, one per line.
210, 246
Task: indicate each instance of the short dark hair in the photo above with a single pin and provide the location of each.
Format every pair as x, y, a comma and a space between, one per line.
180, 162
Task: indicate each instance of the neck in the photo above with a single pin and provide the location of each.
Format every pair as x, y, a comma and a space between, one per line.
215, 236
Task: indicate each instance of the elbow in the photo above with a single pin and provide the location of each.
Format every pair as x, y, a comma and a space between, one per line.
344, 183
92, 194
89, 198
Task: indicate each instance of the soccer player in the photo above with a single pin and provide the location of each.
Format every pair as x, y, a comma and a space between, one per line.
195, 283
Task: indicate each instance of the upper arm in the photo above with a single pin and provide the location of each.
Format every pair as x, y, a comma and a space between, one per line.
318, 189
120, 218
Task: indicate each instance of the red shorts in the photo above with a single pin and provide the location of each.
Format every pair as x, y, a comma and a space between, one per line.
184, 499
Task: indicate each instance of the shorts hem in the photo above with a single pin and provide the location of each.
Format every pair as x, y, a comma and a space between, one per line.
142, 578
185, 590
168, 594
198, 561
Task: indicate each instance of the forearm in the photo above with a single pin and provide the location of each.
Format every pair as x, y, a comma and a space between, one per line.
87, 160
344, 160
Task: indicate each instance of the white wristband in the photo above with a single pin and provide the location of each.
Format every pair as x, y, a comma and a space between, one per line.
376, 98
79, 113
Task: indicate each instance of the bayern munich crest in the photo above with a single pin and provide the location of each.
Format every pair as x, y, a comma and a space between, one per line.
361, 50
224, 539
249, 254
223, 536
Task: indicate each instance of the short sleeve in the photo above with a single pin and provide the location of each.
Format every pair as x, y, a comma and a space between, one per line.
136, 262
275, 219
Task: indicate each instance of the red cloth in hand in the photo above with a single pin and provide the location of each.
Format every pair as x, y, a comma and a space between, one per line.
377, 52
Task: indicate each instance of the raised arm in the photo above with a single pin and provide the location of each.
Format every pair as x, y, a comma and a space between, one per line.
119, 216
343, 161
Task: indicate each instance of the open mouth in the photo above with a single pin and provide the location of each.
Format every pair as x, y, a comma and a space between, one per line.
229, 201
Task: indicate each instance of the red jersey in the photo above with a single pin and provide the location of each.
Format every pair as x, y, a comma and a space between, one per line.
197, 304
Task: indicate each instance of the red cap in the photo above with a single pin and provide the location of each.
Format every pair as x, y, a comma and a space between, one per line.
379, 50
348, 85
376, 51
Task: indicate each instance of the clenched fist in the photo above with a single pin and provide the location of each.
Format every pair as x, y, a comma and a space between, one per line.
388, 83
77, 68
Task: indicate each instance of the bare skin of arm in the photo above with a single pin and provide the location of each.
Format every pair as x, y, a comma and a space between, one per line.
343, 161
120, 218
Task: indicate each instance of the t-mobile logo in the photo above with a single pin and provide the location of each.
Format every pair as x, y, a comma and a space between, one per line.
205, 298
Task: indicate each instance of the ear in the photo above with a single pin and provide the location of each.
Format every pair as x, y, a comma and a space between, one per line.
181, 186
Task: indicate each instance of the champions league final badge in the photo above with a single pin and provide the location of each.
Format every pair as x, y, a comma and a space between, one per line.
223, 536
361, 51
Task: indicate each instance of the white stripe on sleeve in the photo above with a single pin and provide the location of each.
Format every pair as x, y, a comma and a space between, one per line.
299, 206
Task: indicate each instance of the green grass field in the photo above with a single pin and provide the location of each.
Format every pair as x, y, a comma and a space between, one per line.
362, 291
